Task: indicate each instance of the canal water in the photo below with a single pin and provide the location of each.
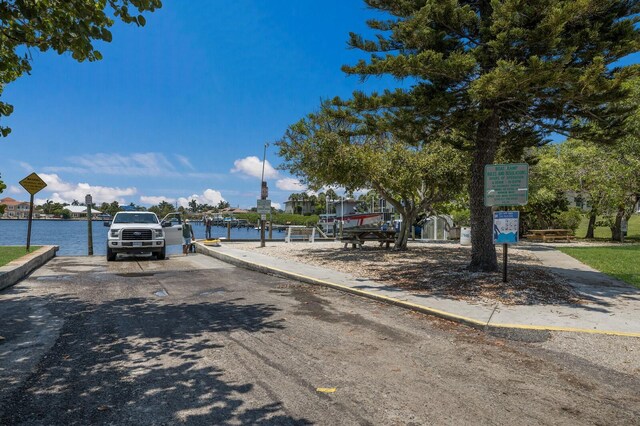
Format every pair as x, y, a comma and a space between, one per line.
71, 235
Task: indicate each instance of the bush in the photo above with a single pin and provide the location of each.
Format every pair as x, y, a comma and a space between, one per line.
282, 218
569, 219
461, 217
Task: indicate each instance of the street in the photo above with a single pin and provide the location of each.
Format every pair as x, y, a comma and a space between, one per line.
197, 341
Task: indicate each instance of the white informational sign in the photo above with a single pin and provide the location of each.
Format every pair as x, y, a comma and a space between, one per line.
506, 227
264, 206
263, 217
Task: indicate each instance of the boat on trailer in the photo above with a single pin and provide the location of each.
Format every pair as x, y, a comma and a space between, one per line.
350, 218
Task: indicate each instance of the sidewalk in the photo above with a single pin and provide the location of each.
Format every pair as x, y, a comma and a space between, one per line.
613, 307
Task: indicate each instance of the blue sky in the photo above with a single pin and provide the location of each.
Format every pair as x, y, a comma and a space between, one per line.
183, 106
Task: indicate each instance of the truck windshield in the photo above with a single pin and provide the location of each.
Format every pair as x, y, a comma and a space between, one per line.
135, 218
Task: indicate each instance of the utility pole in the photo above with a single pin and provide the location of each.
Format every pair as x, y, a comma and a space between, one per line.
264, 193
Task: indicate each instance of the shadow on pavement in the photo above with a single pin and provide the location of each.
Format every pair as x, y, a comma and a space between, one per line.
132, 361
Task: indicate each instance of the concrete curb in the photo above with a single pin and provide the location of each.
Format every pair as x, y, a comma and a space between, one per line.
16, 270
471, 322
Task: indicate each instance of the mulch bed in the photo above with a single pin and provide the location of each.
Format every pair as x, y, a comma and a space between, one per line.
440, 270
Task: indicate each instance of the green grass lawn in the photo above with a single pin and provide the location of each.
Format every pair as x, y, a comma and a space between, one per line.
619, 262
7, 254
604, 233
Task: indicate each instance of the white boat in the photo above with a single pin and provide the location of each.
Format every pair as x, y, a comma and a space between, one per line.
349, 220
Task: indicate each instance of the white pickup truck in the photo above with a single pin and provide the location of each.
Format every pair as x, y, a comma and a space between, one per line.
141, 232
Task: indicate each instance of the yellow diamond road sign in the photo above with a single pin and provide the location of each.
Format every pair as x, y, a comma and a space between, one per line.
33, 183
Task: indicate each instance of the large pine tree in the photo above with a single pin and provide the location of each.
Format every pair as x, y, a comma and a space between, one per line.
504, 74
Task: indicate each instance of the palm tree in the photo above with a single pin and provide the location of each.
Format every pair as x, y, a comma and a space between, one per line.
321, 204
331, 196
294, 198
313, 202
369, 199
304, 197
47, 207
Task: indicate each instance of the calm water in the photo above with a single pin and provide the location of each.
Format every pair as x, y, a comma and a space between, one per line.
71, 235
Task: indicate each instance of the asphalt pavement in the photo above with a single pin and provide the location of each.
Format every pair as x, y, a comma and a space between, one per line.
197, 341
608, 306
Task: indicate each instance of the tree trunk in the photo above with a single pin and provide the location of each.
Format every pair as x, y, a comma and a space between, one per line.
592, 224
403, 235
616, 229
483, 252
408, 215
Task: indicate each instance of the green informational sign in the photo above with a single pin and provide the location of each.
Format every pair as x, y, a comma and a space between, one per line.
264, 206
506, 184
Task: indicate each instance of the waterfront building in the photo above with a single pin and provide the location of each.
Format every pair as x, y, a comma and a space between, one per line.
15, 209
80, 212
299, 207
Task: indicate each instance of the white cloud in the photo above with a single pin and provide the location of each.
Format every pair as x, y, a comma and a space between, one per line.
65, 169
140, 164
152, 200
276, 206
209, 196
290, 184
252, 166
66, 192
15, 189
26, 166
54, 183
185, 161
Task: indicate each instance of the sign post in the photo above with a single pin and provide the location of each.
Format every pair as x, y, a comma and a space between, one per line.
506, 185
263, 207
88, 201
33, 184
264, 193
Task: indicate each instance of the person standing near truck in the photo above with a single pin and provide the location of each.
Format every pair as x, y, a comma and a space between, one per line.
188, 236
207, 227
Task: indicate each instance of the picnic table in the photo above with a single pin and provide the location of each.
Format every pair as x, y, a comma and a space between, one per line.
358, 236
546, 235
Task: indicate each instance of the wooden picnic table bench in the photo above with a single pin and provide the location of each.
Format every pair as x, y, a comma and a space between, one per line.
357, 237
550, 235
300, 232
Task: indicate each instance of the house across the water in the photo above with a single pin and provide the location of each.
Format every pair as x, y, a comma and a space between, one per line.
15, 209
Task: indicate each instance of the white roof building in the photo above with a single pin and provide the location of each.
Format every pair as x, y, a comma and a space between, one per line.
81, 211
